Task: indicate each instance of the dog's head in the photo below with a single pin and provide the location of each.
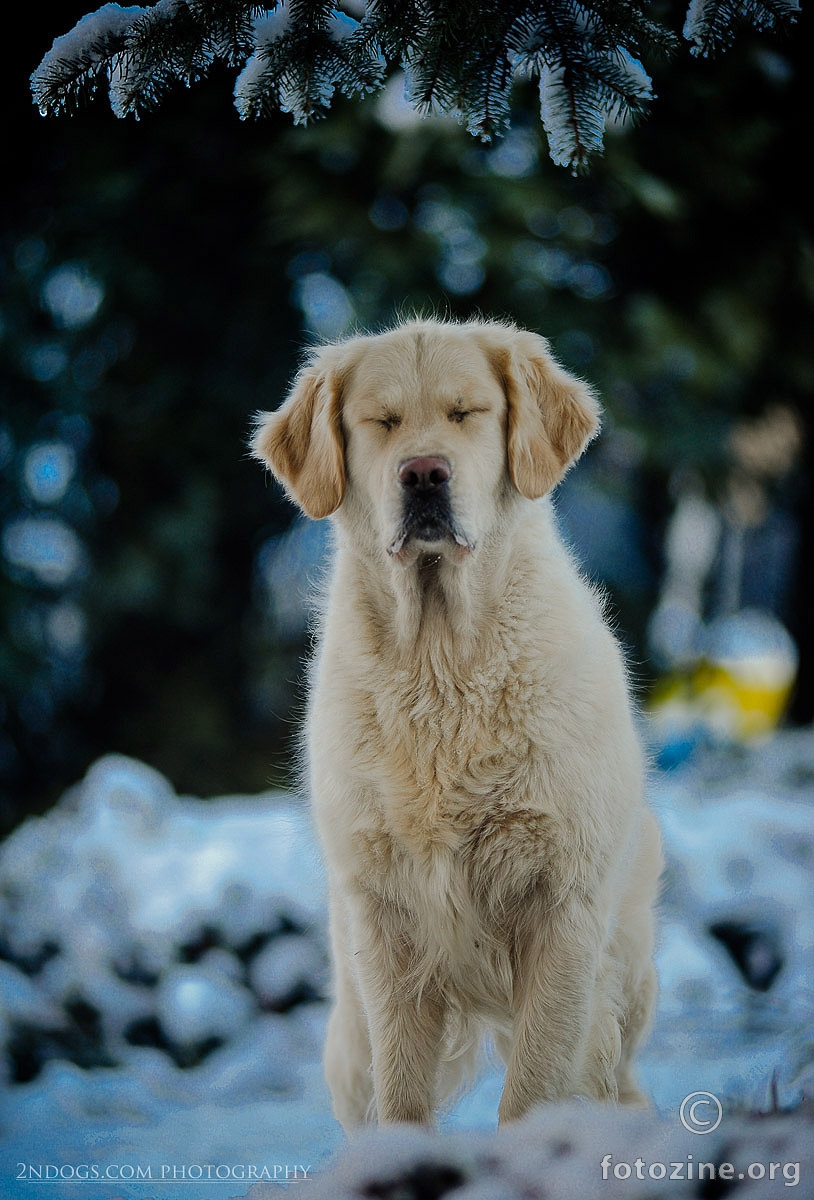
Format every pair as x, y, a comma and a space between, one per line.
425, 431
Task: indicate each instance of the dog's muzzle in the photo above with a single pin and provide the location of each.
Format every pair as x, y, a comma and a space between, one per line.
426, 505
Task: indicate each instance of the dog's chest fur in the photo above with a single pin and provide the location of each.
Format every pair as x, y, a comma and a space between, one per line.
455, 738
449, 839
453, 753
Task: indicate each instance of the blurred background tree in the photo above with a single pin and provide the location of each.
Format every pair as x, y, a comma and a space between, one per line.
160, 277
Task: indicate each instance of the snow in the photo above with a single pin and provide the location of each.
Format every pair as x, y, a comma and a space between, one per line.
117, 44
574, 1150
163, 966
341, 26
270, 28
111, 20
273, 24
89, 42
569, 129
196, 1002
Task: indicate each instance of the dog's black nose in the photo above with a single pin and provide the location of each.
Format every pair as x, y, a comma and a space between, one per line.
427, 474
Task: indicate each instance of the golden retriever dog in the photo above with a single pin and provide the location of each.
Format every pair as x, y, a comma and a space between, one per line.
474, 766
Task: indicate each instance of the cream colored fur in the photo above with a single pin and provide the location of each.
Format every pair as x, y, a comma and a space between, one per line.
476, 776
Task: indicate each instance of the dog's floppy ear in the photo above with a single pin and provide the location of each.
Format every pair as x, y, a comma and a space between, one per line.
552, 416
302, 441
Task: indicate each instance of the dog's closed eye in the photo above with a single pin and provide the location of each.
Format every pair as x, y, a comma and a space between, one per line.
459, 414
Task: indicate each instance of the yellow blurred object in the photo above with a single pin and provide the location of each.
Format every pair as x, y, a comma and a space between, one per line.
741, 698
740, 687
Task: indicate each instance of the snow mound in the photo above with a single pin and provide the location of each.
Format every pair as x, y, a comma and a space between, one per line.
576, 1151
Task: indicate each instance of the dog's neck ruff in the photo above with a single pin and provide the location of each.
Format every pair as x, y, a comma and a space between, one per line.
451, 595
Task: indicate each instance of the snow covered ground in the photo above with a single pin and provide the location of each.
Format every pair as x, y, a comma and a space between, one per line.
163, 963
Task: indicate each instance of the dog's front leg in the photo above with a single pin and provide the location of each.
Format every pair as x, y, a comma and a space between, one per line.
405, 1015
553, 1011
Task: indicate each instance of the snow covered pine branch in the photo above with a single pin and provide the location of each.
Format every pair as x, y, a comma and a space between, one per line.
459, 57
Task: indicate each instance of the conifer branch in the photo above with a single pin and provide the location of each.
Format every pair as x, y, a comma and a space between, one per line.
458, 56
711, 25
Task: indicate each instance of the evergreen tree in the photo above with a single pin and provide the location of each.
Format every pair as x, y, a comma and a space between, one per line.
458, 57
